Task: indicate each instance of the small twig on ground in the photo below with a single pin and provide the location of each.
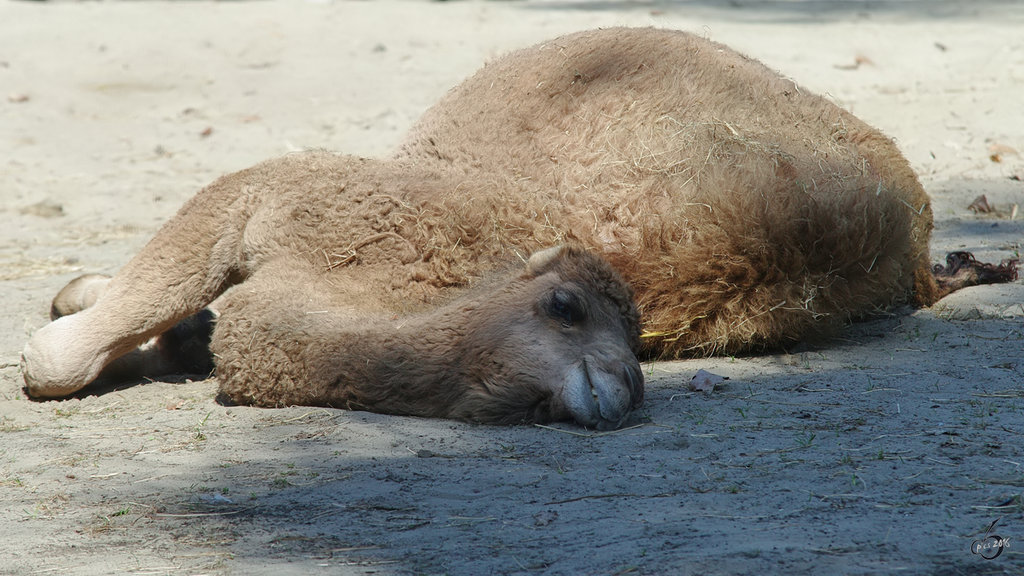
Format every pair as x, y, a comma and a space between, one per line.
613, 495
1001, 394
307, 414
751, 398
589, 434
102, 408
353, 549
198, 514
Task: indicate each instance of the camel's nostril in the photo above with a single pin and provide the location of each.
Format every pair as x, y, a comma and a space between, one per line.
600, 392
590, 383
635, 380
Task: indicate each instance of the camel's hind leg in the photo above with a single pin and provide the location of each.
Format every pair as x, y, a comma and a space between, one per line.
191, 260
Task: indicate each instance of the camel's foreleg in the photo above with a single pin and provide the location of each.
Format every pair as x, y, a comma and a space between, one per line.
191, 260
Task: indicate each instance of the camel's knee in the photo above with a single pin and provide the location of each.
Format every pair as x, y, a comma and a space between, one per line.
79, 294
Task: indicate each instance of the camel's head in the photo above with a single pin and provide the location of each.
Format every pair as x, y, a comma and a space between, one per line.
560, 342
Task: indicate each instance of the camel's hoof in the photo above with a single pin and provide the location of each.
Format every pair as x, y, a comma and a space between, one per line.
54, 363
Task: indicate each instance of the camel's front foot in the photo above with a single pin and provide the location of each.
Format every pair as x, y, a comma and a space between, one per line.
66, 355
59, 359
56, 362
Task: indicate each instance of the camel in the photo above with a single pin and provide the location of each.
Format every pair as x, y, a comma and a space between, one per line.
742, 211
554, 340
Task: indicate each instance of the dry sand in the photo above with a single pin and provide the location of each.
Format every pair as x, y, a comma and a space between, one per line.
888, 450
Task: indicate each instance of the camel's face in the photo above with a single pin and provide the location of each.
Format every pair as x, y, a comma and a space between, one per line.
565, 338
600, 380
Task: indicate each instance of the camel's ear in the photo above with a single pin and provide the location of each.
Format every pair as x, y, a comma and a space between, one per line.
541, 259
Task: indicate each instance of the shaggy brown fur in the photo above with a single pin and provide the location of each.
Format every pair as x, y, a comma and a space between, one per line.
745, 212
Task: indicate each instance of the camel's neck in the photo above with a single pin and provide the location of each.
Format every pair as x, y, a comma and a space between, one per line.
435, 365
408, 366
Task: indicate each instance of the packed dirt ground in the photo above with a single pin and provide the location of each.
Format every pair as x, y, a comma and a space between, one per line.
890, 449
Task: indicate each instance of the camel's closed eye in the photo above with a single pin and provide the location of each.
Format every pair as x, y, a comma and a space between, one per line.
565, 306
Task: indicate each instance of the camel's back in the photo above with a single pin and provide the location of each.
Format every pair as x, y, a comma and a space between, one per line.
632, 112
697, 171
578, 107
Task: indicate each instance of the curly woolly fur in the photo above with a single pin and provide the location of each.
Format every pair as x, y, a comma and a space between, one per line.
745, 211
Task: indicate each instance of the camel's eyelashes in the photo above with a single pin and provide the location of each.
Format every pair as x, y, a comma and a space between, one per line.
565, 306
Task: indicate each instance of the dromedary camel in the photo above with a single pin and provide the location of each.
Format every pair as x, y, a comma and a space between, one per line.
744, 211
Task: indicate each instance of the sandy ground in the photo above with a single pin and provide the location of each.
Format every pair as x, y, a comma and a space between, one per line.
888, 450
